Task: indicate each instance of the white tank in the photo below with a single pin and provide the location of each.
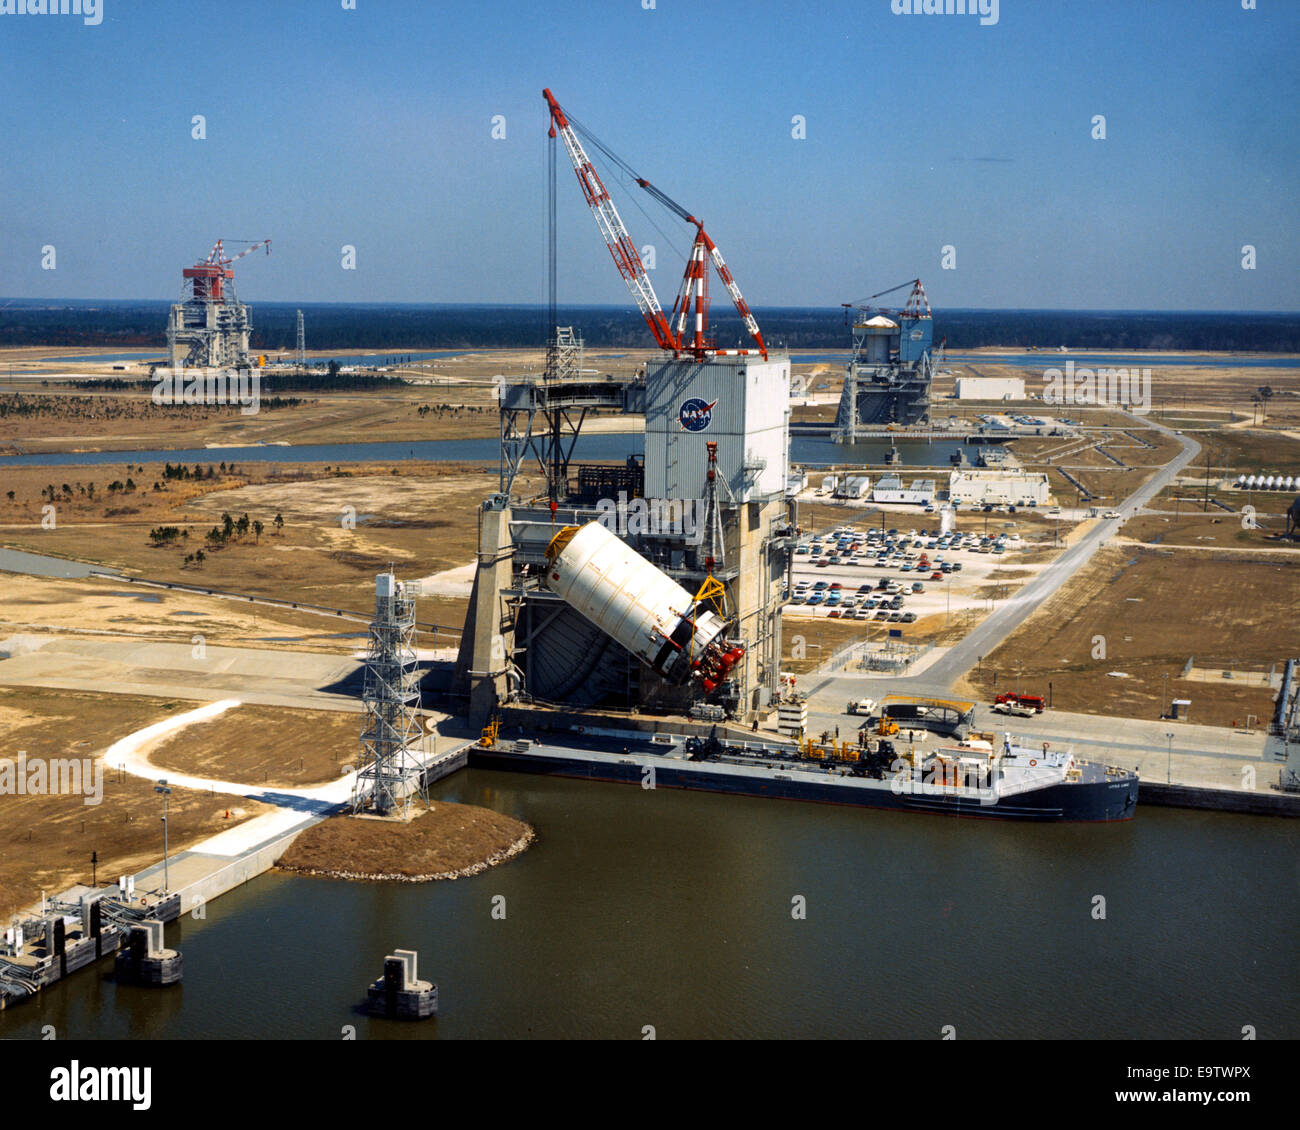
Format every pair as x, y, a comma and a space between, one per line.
1290, 482
1269, 483
1250, 482
639, 605
1241, 480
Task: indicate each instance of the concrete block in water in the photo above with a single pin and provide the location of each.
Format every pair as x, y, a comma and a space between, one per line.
144, 961
398, 994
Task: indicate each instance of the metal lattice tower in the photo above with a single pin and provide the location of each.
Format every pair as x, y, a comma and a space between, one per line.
713, 541
302, 344
564, 355
390, 760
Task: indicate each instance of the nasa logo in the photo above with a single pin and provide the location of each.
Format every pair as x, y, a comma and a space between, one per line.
695, 415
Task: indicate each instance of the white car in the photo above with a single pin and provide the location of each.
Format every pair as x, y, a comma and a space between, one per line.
1111, 514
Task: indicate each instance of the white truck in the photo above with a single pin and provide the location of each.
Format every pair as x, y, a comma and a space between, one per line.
861, 706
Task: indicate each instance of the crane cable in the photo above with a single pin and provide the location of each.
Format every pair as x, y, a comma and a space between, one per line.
624, 173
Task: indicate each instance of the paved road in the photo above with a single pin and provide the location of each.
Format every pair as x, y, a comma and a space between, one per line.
996, 627
1201, 754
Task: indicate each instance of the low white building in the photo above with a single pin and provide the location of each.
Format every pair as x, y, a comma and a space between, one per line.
990, 388
998, 487
853, 486
890, 489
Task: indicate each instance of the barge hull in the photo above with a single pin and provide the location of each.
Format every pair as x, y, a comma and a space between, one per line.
1091, 802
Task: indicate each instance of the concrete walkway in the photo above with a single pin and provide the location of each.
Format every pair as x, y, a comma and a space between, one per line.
309, 680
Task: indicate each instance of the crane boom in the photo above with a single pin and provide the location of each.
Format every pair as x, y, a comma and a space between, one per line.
917, 306
670, 334
613, 230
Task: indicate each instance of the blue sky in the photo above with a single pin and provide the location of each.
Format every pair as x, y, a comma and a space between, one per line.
372, 127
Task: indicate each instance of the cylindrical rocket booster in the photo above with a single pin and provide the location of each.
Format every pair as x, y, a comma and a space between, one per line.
640, 606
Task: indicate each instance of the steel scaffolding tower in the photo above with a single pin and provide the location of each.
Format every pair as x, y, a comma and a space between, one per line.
390, 769
302, 344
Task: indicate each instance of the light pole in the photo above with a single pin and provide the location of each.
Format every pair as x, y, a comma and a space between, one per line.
161, 787
1169, 770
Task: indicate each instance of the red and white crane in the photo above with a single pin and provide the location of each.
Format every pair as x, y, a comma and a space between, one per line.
669, 333
210, 274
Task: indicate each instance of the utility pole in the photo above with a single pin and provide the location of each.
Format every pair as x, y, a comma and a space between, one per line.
161, 787
1169, 770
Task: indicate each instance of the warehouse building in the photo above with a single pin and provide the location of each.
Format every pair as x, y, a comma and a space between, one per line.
990, 388
998, 487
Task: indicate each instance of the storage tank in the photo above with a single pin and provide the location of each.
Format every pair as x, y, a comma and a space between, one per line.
638, 605
1290, 482
1250, 482
1241, 481
1269, 483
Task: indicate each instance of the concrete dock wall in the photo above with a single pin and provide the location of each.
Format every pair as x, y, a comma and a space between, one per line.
1153, 794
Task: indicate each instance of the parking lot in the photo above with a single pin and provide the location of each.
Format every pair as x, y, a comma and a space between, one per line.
895, 576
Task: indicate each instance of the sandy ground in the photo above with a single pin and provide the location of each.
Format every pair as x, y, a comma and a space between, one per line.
265, 745
1137, 614
340, 528
46, 841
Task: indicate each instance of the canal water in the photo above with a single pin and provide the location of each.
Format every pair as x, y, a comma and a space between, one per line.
674, 910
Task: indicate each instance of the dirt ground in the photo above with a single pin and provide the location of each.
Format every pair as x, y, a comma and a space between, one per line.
41, 605
46, 841
808, 643
1187, 524
446, 838
1135, 614
341, 526
265, 745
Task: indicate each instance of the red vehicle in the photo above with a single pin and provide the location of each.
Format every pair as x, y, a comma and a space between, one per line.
1031, 700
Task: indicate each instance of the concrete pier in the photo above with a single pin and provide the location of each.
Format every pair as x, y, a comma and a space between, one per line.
399, 994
